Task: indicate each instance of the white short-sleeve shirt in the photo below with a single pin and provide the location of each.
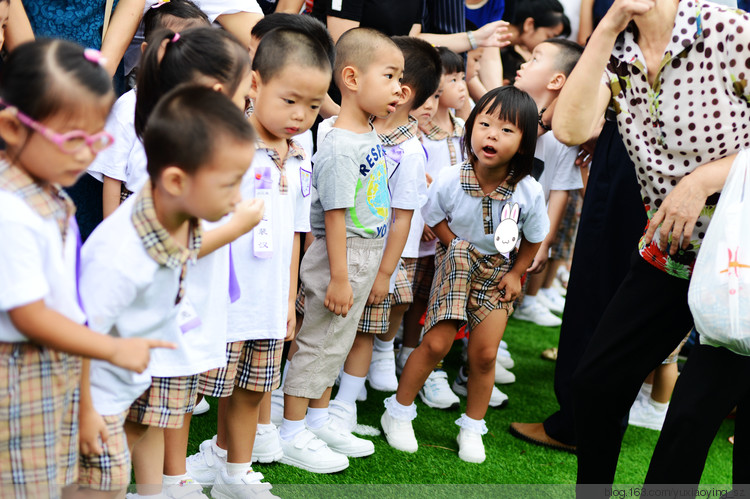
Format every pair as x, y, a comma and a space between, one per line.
34, 265
126, 159
560, 172
262, 310
464, 213
126, 294
409, 188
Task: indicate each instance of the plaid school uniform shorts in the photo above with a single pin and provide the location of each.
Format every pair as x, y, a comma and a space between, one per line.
38, 420
465, 285
166, 402
420, 271
111, 470
376, 318
253, 365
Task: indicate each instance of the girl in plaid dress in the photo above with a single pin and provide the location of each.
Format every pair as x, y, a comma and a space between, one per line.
480, 213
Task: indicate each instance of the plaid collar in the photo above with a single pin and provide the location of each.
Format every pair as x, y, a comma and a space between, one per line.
295, 151
434, 132
48, 200
400, 134
470, 185
159, 244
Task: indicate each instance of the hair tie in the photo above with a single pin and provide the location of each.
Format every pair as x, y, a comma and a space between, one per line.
93, 55
175, 38
159, 4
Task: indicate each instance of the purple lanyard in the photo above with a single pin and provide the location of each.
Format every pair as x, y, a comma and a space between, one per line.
234, 284
73, 226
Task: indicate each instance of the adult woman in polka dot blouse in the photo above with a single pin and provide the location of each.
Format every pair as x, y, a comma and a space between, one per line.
675, 72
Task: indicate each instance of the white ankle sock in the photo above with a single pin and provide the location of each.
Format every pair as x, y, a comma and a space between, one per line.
316, 417
529, 301
382, 346
475, 425
289, 428
398, 411
349, 388
174, 479
646, 389
659, 406
234, 469
218, 450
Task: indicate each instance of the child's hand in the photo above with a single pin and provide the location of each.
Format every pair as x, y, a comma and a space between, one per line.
540, 260
379, 289
134, 353
247, 214
428, 178
291, 321
339, 297
510, 287
92, 427
428, 235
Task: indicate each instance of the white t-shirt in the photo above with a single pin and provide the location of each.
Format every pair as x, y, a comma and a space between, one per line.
409, 188
127, 294
126, 159
34, 265
212, 9
558, 160
202, 347
448, 201
262, 310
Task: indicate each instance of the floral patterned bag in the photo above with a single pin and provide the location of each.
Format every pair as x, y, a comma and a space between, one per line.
719, 295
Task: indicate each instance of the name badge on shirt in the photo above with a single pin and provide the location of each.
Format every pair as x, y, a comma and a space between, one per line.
262, 233
187, 317
305, 182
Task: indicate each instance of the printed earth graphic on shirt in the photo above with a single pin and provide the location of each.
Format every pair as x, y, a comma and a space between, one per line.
377, 191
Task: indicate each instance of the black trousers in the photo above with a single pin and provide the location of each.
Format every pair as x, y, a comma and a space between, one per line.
713, 381
646, 319
612, 221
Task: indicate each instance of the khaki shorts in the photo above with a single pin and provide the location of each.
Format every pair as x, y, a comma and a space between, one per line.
325, 339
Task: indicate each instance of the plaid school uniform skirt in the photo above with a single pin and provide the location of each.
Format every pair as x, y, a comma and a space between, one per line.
109, 471
465, 285
376, 318
166, 402
420, 271
38, 420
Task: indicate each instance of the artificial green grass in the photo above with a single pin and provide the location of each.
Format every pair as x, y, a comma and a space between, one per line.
509, 460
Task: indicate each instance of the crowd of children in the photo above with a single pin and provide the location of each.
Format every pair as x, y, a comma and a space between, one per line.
229, 232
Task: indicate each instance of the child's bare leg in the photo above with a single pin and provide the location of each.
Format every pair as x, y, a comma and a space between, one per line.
535, 283
264, 410
241, 423
221, 423
397, 315
148, 461
320, 403
295, 408
412, 327
483, 343
435, 345
550, 272
175, 448
665, 377
358, 361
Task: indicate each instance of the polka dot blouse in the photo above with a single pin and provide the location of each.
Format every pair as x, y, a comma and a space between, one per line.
697, 111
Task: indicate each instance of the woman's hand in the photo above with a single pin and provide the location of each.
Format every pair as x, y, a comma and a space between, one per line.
622, 12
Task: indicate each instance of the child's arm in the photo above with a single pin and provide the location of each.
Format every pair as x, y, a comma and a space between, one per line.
291, 320
444, 233
90, 423
50, 328
240, 24
19, 28
339, 295
111, 189
555, 210
246, 215
394, 247
586, 21
511, 281
120, 32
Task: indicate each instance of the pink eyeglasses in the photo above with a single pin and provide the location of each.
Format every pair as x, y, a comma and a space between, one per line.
70, 142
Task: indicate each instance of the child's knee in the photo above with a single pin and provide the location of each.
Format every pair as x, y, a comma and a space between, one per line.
437, 345
483, 361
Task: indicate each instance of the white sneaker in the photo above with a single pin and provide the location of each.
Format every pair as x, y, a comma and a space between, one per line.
537, 314
277, 406
343, 413
267, 446
185, 489
247, 486
503, 345
552, 300
382, 373
341, 440
362, 395
646, 415
436, 392
563, 274
399, 433
204, 465
498, 399
470, 446
503, 376
201, 407
310, 453
559, 288
504, 359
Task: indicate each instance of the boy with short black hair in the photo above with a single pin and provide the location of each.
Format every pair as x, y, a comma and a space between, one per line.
134, 265
349, 218
372, 352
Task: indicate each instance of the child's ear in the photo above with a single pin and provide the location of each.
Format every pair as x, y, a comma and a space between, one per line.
406, 95
11, 130
255, 83
556, 82
144, 45
174, 180
349, 77
528, 25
